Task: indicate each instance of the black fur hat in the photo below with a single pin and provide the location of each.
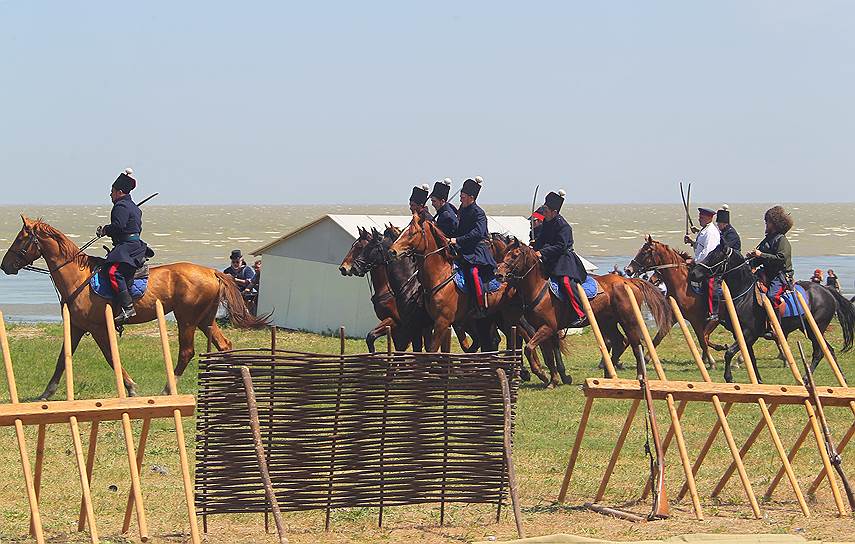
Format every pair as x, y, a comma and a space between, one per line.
779, 218
441, 189
125, 182
723, 215
420, 194
472, 186
554, 200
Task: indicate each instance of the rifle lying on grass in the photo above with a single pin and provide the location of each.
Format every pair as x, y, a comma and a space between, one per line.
660, 508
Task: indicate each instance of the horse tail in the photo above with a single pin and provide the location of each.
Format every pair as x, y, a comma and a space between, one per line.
239, 314
658, 306
846, 315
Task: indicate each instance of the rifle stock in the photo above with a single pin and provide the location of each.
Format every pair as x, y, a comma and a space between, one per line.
660, 508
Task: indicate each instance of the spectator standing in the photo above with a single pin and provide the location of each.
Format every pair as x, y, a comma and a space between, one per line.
817, 276
831, 280
241, 273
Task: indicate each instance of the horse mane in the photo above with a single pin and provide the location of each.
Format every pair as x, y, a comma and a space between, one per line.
438, 237
67, 248
682, 254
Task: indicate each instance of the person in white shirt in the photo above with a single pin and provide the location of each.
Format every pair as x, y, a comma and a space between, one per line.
708, 239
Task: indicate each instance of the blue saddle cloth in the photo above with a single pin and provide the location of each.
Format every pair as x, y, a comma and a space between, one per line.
464, 285
104, 290
792, 307
590, 287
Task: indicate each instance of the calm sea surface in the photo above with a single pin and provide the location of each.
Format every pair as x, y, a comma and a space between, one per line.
824, 236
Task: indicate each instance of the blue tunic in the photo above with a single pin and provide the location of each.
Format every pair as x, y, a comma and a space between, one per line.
473, 238
124, 229
446, 219
555, 243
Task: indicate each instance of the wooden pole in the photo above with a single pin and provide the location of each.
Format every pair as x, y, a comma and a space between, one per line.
126, 425
767, 416
509, 460
721, 413
129, 505
601, 491
90, 466
812, 421
598, 334
19, 434
259, 453
672, 408
86, 492
40, 461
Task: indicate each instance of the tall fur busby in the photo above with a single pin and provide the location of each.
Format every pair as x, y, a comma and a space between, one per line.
420, 194
472, 186
554, 200
441, 189
723, 215
125, 182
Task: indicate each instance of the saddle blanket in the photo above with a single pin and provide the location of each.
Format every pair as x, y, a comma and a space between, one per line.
792, 308
698, 289
464, 285
591, 287
104, 290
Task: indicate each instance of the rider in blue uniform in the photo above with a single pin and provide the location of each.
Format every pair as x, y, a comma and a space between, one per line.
473, 242
129, 252
554, 246
446, 214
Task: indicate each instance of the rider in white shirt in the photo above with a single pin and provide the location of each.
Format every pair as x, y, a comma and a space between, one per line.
708, 239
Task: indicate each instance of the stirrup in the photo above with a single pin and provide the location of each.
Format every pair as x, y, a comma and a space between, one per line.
712, 317
124, 315
578, 323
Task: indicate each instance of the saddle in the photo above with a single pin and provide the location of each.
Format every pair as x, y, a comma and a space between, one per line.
789, 305
104, 290
590, 286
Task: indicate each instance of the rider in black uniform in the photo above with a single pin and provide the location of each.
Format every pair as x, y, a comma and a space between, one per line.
129, 252
446, 213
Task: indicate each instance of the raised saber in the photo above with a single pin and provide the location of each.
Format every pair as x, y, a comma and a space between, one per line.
533, 204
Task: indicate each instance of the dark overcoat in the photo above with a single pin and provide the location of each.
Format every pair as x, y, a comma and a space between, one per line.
473, 238
555, 243
124, 229
446, 219
731, 238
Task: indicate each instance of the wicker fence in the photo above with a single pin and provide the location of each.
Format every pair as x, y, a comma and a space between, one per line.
368, 430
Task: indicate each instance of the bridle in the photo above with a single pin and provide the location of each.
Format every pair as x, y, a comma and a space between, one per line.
410, 252
511, 276
720, 269
21, 254
642, 268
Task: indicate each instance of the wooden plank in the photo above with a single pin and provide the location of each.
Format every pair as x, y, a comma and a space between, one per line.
704, 391
42, 413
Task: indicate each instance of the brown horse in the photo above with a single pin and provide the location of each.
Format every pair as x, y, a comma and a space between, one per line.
423, 240
671, 266
192, 292
521, 267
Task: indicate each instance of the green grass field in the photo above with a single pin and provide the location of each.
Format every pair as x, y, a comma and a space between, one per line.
546, 426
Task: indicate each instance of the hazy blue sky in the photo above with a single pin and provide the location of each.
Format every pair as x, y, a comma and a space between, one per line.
308, 102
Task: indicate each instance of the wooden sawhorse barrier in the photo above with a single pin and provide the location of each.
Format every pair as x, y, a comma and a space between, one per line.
722, 396
72, 412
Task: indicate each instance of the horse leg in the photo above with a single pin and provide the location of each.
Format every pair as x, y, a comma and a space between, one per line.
440, 331
532, 357
728, 358
566, 379
76, 334
103, 342
617, 342
217, 337
704, 340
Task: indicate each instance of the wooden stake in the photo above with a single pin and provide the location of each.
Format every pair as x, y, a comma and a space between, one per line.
672, 409
812, 421
90, 465
19, 434
721, 413
129, 506
767, 416
40, 461
627, 425
126, 425
592, 319
179, 426
574, 453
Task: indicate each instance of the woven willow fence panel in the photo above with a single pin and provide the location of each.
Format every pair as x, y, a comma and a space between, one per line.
369, 430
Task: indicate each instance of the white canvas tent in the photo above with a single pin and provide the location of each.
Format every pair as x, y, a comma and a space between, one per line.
301, 283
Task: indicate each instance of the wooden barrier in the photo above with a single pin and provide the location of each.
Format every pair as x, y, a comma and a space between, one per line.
73, 412
722, 396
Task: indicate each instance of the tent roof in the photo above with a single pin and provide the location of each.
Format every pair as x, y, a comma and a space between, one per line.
513, 225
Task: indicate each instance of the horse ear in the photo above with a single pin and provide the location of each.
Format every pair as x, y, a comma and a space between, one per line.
649, 238
25, 220
375, 233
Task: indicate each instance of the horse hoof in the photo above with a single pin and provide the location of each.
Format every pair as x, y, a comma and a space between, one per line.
620, 366
550, 386
568, 380
728, 378
132, 391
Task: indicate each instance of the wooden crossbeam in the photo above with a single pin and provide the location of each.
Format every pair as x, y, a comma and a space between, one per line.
619, 388
45, 413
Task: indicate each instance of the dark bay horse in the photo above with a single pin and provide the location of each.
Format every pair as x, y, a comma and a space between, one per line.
384, 298
192, 292
521, 267
671, 266
824, 304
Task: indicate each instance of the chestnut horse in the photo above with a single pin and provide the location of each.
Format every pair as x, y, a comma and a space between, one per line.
671, 266
423, 240
521, 267
192, 292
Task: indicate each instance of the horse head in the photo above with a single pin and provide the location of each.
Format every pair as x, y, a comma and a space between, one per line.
499, 245
373, 254
362, 240
719, 262
519, 259
652, 254
413, 239
24, 250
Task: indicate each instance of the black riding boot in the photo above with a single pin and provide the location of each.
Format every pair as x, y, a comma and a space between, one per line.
127, 311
